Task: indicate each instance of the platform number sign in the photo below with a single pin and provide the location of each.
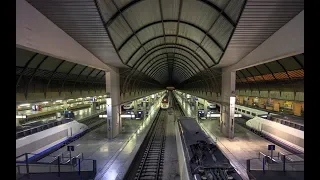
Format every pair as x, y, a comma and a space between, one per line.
271, 147
70, 148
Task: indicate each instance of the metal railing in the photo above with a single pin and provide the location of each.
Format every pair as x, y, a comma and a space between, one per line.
57, 165
280, 162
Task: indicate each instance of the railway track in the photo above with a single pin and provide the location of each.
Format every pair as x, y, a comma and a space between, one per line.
148, 163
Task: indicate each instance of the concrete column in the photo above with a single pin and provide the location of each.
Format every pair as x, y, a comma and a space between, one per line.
135, 107
94, 105
205, 108
144, 110
228, 103
113, 104
196, 107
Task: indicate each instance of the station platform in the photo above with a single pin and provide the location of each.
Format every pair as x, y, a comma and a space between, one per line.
245, 145
113, 156
78, 115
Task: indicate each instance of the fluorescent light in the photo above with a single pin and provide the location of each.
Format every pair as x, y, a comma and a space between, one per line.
58, 100
24, 104
46, 102
213, 115
127, 116
70, 99
88, 97
109, 101
103, 116
21, 116
237, 115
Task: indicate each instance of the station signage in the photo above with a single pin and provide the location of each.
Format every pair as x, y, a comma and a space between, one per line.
271, 147
70, 148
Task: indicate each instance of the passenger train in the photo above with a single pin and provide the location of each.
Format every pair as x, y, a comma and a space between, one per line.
128, 106
165, 102
50, 139
291, 136
287, 136
251, 113
200, 157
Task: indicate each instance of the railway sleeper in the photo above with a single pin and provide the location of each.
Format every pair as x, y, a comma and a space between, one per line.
149, 174
148, 177
150, 170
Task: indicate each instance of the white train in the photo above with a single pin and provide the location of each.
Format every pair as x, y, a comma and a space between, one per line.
165, 102
44, 141
128, 106
250, 112
287, 136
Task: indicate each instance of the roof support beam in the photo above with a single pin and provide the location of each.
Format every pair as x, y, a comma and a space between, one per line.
178, 26
34, 72
270, 71
25, 67
253, 78
132, 3
163, 62
67, 77
154, 58
53, 73
259, 72
166, 21
213, 23
284, 69
134, 33
154, 49
160, 60
295, 58
186, 38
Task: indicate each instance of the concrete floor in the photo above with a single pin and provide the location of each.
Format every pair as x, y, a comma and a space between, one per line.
171, 162
245, 145
96, 145
117, 166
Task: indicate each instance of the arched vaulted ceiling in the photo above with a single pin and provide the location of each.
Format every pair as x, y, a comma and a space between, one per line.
170, 40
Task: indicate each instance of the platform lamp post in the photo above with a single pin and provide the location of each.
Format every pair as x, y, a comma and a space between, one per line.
109, 117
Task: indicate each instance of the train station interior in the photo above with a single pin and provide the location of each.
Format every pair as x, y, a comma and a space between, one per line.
160, 89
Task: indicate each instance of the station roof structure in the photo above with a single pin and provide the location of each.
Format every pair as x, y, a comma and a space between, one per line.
170, 41
287, 71
31, 66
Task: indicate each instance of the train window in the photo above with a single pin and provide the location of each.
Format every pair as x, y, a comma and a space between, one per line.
236, 108
302, 128
253, 114
243, 111
248, 112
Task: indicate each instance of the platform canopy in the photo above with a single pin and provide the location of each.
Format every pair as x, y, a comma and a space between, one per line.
53, 73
